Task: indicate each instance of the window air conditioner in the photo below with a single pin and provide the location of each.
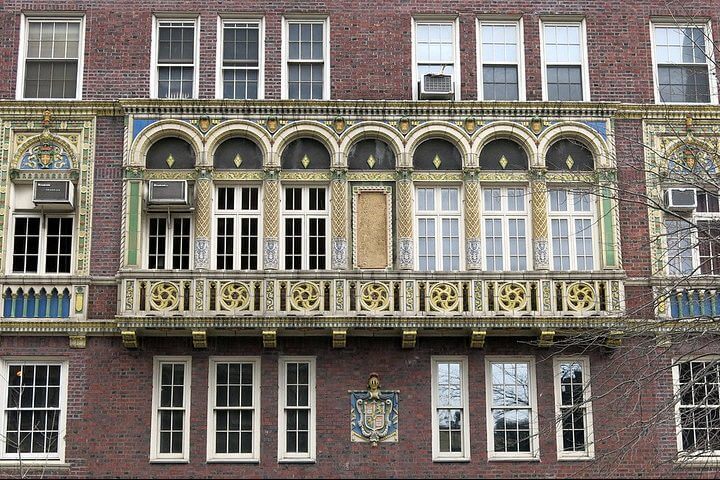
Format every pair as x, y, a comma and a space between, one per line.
436, 87
168, 192
681, 199
54, 194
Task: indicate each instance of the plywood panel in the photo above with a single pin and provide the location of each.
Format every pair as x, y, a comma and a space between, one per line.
372, 230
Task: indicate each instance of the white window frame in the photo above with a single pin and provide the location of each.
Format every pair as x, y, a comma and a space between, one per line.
254, 456
571, 215
285, 38
42, 250
691, 223
584, 65
25, 19
464, 454
283, 455
237, 214
709, 55
439, 215
457, 75
707, 458
589, 452
534, 453
30, 458
155, 42
169, 234
504, 215
305, 214
155, 455
260, 22
518, 23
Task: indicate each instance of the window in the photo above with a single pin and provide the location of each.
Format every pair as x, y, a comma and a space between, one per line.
451, 427
305, 222
307, 51
512, 403
438, 227
501, 61
565, 62
42, 244
683, 63
296, 436
506, 237
33, 395
240, 57
170, 425
436, 52
697, 387
169, 242
174, 70
693, 243
573, 408
51, 58
572, 222
238, 228
234, 414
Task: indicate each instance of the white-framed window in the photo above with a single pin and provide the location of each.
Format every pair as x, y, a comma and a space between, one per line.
573, 408
505, 214
693, 242
572, 229
450, 421
306, 220
175, 58
697, 406
42, 244
683, 62
564, 59
435, 50
169, 242
234, 409
296, 409
33, 396
237, 227
306, 58
501, 60
170, 423
241, 59
512, 409
439, 228
51, 56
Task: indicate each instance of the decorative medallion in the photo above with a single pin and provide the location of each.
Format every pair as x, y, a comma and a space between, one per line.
444, 297
305, 161
204, 124
371, 161
339, 124
404, 125
170, 161
437, 161
470, 124
45, 156
536, 125
305, 296
580, 296
272, 124
46, 118
235, 296
238, 160
569, 162
374, 413
374, 296
503, 162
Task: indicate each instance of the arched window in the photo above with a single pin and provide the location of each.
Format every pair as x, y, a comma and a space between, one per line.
569, 155
503, 154
437, 154
171, 153
236, 153
371, 154
305, 153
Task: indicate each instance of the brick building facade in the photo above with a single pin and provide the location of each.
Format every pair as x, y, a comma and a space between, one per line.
220, 219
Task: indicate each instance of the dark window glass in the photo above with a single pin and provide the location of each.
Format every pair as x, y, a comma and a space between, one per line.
564, 83
437, 154
238, 153
503, 154
371, 154
305, 153
500, 82
171, 152
569, 155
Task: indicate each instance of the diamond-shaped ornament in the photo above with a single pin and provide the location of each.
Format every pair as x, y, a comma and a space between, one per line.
437, 161
371, 161
305, 161
569, 162
170, 161
237, 160
503, 162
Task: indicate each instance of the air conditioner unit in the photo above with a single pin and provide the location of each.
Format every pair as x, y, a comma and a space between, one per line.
436, 87
682, 199
168, 192
54, 194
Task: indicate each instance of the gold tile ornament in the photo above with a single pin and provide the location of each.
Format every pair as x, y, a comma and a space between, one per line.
129, 339
569, 162
305, 161
437, 161
199, 339
371, 161
503, 162
547, 338
78, 341
269, 338
614, 338
238, 160
409, 338
339, 338
170, 160
477, 338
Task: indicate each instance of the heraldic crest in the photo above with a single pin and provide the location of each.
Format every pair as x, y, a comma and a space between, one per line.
374, 413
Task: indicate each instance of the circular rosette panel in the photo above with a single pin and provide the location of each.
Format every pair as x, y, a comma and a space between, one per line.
375, 297
235, 296
444, 297
164, 296
305, 296
512, 296
580, 296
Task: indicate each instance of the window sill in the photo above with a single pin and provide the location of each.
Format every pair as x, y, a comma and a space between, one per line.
8, 464
451, 459
698, 461
169, 460
575, 459
233, 460
296, 460
513, 459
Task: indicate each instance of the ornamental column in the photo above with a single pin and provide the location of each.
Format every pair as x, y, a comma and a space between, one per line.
339, 220
539, 218
271, 220
203, 215
405, 220
472, 221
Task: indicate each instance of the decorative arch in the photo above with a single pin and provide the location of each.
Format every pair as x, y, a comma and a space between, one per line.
509, 131
306, 128
32, 147
580, 132
162, 129
692, 155
238, 128
437, 129
371, 129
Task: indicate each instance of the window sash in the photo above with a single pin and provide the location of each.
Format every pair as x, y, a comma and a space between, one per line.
240, 74
571, 219
169, 243
42, 244
171, 409
296, 410
505, 231
573, 408
306, 65
449, 401
438, 220
306, 228
499, 55
175, 58
697, 383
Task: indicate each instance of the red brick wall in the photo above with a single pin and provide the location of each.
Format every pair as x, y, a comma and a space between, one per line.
108, 429
370, 42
